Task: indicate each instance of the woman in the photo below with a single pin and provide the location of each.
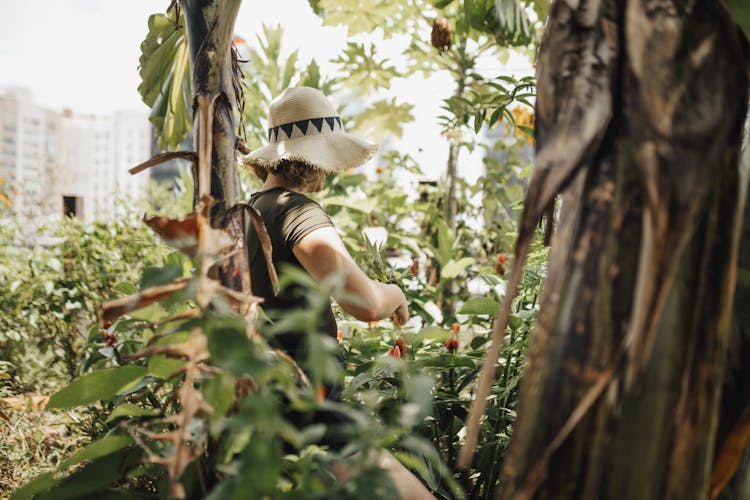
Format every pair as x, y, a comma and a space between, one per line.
306, 143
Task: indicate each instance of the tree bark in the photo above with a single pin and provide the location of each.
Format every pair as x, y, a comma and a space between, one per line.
209, 25
631, 338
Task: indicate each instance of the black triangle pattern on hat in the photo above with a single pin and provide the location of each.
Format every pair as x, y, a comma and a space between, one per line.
287, 128
302, 125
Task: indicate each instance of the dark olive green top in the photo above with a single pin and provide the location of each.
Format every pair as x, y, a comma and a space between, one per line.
289, 216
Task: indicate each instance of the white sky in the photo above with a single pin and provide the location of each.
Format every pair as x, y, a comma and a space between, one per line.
83, 54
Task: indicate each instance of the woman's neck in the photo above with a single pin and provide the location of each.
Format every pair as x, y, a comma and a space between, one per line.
274, 181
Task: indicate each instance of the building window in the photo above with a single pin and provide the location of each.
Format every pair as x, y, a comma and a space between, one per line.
72, 206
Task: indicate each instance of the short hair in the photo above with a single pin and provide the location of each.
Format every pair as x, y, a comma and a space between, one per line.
295, 173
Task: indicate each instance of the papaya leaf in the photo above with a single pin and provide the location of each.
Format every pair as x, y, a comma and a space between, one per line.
95, 386
362, 16
382, 118
165, 79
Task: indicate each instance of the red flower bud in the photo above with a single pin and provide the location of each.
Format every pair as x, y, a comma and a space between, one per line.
451, 344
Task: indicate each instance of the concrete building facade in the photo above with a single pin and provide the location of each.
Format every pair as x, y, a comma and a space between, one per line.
69, 163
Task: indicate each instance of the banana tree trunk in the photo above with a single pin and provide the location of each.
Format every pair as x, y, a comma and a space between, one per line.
631, 339
209, 25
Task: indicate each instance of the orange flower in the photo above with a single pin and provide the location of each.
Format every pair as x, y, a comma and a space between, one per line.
340, 336
455, 327
501, 258
378, 170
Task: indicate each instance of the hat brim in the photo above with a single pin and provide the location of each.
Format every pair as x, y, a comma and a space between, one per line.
331, 152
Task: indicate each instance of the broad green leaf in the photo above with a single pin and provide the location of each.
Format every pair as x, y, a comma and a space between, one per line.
95, 386
131, 410
454, 267
479, 305
165, 79
154, 276
94, 478
42, 482
104, 446
163, 366
434, 332
741, 11
125, 288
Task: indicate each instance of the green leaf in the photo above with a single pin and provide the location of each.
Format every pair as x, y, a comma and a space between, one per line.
125, 288
155, 276
382, 118
741, 11
163, 366
434, 332
131, 410
230, 347
362, 16
165, 79
42, 482
95, 386
479, 305
448, 360
454, 267
104, 446
445, 241
219, 393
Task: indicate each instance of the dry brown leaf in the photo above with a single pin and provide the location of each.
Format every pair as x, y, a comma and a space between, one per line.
163, 157
116, 308
181, 234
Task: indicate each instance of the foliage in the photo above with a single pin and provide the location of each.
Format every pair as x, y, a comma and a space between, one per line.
173, 387
167, 93
52, 283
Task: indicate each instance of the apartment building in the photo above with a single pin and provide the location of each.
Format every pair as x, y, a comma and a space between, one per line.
69, 163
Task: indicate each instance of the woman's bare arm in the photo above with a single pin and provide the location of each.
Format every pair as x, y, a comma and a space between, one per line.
322, 254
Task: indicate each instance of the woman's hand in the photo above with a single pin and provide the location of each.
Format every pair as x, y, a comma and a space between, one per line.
401, 314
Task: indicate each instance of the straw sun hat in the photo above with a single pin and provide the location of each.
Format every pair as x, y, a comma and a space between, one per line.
303, 126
